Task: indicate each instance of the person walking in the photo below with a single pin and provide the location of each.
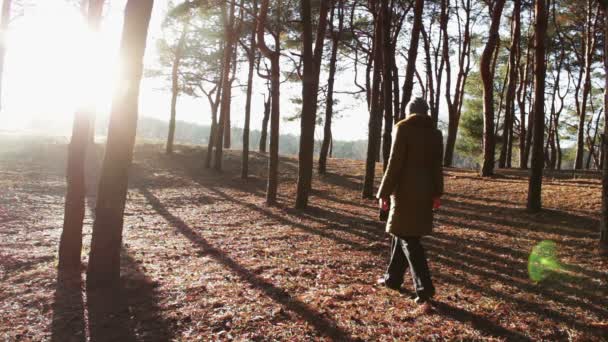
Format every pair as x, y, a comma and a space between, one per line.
413, 182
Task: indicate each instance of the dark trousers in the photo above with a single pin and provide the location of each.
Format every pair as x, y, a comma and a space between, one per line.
408, 252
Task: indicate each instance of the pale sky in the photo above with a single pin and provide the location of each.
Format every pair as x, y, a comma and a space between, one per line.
49, 53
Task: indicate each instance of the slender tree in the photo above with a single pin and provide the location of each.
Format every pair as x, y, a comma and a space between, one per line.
250, 51
310, 88
487, 78
70, 244
275, 84
507, 133
412, 53
229, 40
337, 9
536, 171
106, 243
375, 113
464, 67
604, 213
265, 119
589, 45
177, 56
387, 83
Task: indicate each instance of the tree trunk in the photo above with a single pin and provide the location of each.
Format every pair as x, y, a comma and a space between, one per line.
264, 133
455, 106
310, 90
329, 104
375, 119
251, 57
175, 87
521, 102
106, 243
226, 84
507, 133
604, 140
536, 171
387, 88
70, 244
275, 84
408, 83
487, 77
589, 48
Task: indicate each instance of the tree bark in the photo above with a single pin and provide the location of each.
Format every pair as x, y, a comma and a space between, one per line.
275, 84
487, 77
375, 119
228, 20
264, 133
70, 243
604, 211
455, 105
536, 171
175, 87
104, 259
408, 83
329, 104
310, 90
251, 57
387, 88
589, 48
507, 133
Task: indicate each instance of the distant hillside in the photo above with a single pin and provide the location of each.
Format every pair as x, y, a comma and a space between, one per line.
189, 133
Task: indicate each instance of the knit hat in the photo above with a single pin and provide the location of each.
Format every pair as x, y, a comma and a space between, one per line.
418, 106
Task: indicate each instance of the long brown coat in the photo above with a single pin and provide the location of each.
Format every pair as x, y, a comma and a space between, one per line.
413, 177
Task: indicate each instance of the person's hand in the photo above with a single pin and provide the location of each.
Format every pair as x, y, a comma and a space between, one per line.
383, 203
436, 202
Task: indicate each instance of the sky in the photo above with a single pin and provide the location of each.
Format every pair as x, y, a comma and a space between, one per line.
51, 56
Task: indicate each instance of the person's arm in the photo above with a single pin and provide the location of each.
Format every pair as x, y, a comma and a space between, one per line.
438, 167
395, 164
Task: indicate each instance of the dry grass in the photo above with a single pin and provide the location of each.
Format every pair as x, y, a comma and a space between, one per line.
205, 259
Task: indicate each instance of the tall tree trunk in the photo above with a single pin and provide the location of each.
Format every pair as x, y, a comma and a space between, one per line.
175, 87
310, 90
228, 20
251, 57
408, 83
6, 18
387, 88
455, 106
536, 170
487, 77
329, 104
524, 77
70, 244
104, 259
589, 48
375, 118
507, 132
604, 213
275, 84
227, 121
264, 133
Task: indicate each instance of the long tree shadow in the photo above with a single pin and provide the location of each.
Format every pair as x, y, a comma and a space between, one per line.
323, 326
127, 313
68, 323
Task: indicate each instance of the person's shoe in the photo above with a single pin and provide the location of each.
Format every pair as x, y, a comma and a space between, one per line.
383, 283
422, 300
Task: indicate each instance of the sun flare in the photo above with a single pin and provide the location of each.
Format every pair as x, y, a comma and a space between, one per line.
56, 64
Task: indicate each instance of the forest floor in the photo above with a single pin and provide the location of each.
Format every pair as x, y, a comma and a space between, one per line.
205, 259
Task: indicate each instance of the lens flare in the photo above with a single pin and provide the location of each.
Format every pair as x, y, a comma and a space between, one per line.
543, 261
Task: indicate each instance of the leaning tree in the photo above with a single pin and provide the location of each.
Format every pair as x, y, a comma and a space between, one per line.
104, 258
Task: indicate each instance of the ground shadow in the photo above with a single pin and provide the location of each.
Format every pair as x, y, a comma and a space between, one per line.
323, 326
